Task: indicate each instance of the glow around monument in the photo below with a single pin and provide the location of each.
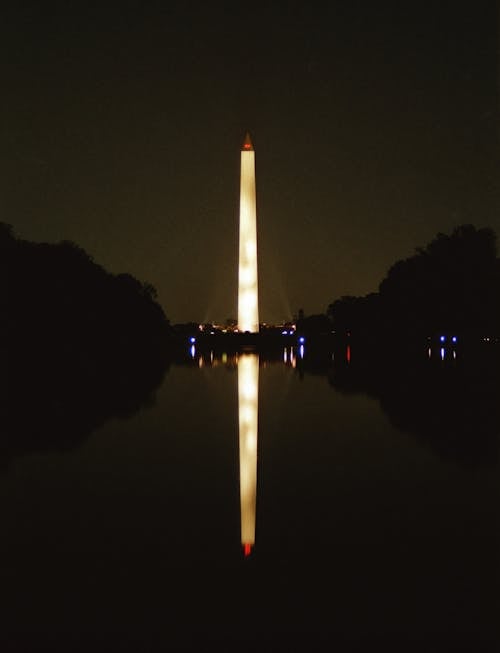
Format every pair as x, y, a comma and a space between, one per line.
248, 302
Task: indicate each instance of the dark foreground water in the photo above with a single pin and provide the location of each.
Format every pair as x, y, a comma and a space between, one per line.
367, 536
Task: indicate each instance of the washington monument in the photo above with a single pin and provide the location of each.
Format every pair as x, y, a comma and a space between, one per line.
248, 300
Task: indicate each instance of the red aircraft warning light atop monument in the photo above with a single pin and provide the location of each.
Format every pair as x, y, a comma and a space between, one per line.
247, 143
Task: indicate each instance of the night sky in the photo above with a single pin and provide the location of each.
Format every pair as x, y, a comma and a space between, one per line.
375, 126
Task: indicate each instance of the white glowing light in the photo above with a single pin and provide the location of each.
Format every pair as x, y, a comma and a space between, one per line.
248, 390
248, 312
248, 397
251, 444
246, 276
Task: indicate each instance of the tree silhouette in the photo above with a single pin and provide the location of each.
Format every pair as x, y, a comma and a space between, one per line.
80, 344
450, 285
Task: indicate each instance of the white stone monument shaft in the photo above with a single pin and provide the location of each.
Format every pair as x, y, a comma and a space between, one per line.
248, 303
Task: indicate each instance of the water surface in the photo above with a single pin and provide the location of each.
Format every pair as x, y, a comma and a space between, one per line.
363, 532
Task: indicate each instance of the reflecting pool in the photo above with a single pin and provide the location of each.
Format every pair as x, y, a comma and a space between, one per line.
263, 503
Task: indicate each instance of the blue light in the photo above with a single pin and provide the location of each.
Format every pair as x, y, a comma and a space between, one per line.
284, 333
302, 339
454, 339
442, 338
192, 339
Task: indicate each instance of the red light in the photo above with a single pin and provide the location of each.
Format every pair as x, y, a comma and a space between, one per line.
247, 146
247, 549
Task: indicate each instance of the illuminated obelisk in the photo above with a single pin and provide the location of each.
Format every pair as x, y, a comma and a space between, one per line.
248, 303
248, 398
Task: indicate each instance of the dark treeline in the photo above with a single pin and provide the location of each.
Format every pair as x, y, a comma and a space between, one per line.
426, 345
78, 344
450, 406
450, 286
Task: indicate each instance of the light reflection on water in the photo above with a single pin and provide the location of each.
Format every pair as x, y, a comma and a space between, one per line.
443, 353
355, 491
248, 408
247, 365
248, 400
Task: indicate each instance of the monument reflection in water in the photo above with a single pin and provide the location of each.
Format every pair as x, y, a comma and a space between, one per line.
248, 409
248, 406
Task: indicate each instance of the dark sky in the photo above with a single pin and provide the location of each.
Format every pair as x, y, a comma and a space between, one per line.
375, 126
